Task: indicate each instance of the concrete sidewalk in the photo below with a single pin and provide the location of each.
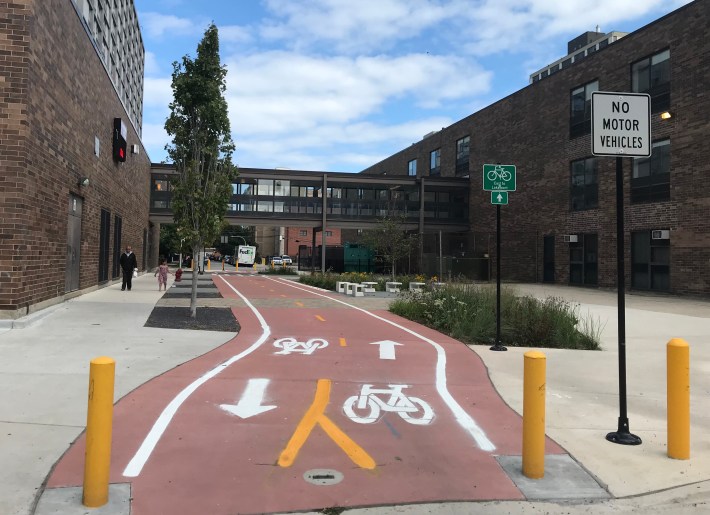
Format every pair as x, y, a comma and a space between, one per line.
44, 376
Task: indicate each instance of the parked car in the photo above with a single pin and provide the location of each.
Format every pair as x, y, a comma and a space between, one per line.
286, 260
277, 261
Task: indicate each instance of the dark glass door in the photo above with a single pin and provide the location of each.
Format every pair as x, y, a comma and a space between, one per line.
548, 259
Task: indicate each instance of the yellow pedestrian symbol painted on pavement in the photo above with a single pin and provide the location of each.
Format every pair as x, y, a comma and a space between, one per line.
316, 415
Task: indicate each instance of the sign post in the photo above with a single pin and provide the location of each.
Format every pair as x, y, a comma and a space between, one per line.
499, 180
621, 126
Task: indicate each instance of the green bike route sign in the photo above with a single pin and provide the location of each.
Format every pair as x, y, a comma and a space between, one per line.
499, 177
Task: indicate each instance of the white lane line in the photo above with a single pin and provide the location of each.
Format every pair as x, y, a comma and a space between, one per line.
136, 464
463, 418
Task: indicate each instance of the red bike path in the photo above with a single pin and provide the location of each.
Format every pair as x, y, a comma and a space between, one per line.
210, 461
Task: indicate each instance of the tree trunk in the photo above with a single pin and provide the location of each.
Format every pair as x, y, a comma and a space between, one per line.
195, 269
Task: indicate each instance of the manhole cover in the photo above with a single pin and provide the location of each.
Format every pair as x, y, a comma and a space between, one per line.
323, 477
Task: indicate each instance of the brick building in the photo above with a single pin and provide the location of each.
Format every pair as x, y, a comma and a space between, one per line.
560, 225
68, 70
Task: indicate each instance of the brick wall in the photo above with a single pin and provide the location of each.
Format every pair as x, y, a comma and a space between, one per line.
530, 129
59, 100
294, 239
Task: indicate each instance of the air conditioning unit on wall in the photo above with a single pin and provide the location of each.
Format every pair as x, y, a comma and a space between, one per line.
663, 234
570, 238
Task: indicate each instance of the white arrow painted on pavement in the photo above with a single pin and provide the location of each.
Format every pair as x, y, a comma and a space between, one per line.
386, 348
250, 402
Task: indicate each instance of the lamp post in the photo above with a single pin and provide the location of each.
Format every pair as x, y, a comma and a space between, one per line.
180, 262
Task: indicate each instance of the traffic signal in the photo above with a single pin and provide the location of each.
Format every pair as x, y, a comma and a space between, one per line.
119, 140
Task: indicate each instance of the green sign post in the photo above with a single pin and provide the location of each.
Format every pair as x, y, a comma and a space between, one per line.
499, 177
499, 197
499, 180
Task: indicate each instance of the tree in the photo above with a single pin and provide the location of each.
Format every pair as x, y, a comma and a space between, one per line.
390, 240
201, 148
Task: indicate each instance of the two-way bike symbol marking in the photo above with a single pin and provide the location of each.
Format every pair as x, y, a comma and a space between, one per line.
290, 345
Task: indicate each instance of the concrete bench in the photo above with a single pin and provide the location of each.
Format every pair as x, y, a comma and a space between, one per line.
369, 286
342, 287
392, 287
355, 290
416, 287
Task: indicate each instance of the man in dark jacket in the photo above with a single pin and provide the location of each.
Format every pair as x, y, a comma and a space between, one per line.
128, 264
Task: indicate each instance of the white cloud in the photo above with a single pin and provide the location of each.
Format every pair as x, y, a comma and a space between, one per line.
157, 92
156, 25
516, 25
154, 139
234, 34
152, 67
335, 147
351, 26
279, 92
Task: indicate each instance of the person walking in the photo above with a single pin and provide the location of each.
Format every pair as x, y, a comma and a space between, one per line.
129, 263
162, 274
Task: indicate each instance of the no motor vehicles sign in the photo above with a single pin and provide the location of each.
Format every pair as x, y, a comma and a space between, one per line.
621, 124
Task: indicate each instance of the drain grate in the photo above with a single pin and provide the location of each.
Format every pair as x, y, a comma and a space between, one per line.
323, 477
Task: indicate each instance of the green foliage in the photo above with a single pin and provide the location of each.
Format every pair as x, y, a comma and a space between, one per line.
326, 281
202, 146
169, 240
279, 270
467, 313
390, 240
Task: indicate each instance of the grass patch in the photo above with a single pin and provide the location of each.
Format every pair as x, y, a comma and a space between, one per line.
468, 313
278, 270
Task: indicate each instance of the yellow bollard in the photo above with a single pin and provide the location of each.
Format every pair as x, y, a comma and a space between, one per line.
678, 398
223, 265
208, 264
534, 415
99, 422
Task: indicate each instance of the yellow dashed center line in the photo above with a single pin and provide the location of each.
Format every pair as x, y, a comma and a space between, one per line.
299, 304
320, 318
342, 342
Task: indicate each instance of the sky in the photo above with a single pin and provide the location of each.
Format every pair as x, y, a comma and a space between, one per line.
339, 85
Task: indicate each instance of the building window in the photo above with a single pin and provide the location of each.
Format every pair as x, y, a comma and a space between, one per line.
412, 166
328, 234
435, 162
584, 188
303, 232
650, 260
160, 185
580, 119
463, 152
282, 188
651, 176
583, 260
653, 76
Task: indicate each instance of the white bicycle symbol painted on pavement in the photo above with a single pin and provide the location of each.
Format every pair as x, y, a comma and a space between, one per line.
499, 174
411, 409
291, 345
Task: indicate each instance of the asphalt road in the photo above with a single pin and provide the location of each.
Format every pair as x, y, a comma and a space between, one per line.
315, 403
